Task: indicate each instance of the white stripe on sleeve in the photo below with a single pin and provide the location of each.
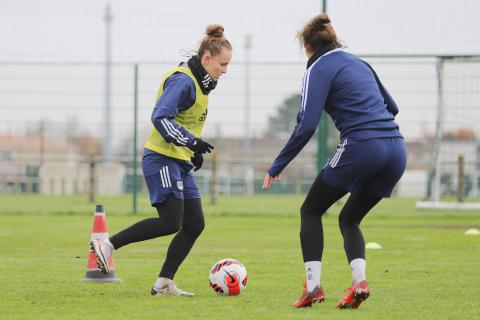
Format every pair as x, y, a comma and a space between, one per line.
176, 131
180, 140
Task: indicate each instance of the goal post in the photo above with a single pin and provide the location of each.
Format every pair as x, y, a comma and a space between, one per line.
454, 173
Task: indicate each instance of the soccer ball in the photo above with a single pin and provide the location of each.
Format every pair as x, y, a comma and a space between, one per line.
228, 277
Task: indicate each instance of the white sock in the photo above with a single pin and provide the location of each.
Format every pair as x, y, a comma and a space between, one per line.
358, 267
313, 270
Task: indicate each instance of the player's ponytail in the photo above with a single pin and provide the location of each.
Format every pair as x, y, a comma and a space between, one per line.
319, 34
213, 41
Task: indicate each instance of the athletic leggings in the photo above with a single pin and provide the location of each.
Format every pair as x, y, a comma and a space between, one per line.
320, 197
183, 217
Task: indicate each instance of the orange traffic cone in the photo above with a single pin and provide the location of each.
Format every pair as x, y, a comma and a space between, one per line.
99, 231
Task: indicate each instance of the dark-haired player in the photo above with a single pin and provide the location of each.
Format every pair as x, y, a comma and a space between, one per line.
368, 162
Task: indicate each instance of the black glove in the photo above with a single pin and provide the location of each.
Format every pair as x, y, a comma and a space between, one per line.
197, 161
200, 146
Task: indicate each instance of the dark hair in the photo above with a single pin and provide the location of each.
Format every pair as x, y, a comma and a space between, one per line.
318, 34
213, 41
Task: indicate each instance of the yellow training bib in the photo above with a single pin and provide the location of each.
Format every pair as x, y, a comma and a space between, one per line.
192, 119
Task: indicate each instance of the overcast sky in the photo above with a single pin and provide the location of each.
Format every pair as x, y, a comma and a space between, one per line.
56, 33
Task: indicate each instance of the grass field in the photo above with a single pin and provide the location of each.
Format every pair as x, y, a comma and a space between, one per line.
428, 268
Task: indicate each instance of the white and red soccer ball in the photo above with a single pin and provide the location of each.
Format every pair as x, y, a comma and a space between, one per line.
228, 277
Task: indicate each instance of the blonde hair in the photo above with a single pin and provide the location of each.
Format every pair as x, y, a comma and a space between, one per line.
213, 41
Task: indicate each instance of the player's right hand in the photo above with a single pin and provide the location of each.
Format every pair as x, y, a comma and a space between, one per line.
200, 146
268, 180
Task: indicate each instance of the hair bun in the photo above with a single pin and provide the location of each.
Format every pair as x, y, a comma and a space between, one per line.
214, 30
322, 20
319, 34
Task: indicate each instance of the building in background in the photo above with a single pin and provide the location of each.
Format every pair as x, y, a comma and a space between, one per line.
38, 164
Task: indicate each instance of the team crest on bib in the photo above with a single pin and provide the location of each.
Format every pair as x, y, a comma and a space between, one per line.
180, 185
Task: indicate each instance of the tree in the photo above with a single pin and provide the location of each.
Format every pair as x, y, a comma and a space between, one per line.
281, 124
285, 118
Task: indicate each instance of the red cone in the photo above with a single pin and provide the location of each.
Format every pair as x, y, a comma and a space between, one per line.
99, 231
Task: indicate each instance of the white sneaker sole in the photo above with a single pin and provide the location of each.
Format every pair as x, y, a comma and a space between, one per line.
102, 262
184, 294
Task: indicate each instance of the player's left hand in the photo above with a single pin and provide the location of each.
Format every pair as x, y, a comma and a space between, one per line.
200, 146
268, 180
197, 161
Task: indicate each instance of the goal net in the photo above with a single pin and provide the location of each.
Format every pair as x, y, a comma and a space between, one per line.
454, 175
